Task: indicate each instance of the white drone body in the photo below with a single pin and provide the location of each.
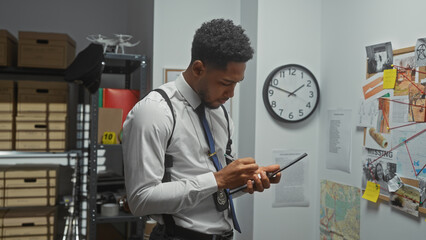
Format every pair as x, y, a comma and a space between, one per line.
122, 42
101, 39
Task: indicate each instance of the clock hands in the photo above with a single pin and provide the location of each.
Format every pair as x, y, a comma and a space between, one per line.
281, 89
292, 93
289, 93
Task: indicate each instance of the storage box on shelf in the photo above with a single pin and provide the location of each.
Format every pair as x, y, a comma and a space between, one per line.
30, 223
34, 185
41, 116
7, 98
8, 49
45, 50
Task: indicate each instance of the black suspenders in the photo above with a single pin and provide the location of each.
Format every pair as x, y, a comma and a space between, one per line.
168, 161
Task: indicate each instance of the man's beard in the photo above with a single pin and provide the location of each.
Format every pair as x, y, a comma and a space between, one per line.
203, 101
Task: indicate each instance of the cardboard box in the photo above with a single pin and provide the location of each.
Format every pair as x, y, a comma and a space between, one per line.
29, 182
31, 135
6, 135
25, 108
43, 88
57, 135
41, 117
8, 49
35, 185
6, 125
29, 223
57, 126
33, 192
28, 202
57, 107
38, 97
50, 237
6, 116
30, 145
56, 144
35, 126
7, 94
31, 108
6, 145
109, 120
45, 50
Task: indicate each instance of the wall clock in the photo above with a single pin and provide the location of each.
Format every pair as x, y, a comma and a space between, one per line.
291, 93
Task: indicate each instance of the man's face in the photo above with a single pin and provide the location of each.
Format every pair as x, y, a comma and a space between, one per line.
216, 86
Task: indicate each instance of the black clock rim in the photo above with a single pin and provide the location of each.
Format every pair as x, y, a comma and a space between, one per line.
266, 99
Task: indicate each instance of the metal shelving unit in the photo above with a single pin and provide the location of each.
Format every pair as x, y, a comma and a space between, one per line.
126, 64
72, 157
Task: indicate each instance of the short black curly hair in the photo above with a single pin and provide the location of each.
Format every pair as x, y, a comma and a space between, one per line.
218, 42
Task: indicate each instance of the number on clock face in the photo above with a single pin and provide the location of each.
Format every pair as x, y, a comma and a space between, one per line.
291, 93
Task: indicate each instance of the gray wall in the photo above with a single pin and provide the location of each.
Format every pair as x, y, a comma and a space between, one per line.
77, 18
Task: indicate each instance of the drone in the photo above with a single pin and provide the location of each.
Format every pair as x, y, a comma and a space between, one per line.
101, 39
119, 42
122, 42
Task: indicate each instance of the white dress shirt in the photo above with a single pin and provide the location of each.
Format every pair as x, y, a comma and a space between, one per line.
188, 197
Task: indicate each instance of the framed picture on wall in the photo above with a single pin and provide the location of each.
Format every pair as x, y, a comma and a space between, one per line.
170, 74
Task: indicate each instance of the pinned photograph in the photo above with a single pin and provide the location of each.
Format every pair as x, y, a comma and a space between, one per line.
416, 97
383, 118
406, 199
379, 167
379, 57
405, 75
420, 52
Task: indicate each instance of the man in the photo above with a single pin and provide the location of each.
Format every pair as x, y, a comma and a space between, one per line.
193, 203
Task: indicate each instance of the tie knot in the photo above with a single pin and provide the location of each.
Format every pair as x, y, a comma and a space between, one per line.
200, 110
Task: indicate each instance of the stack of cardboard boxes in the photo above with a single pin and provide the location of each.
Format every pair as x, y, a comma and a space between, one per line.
29, 195
41, 116
7, 96
33, 115
8, 49
33, 185
29, 223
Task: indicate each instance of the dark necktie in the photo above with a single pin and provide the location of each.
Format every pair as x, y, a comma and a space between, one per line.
202, 115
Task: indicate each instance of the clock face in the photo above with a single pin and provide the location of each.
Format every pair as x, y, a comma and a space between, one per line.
291, 93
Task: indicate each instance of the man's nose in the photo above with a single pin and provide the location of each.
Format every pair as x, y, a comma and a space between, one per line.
230, 93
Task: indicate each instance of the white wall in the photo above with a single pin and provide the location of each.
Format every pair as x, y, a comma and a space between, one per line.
288, 32
347, 27
175, 23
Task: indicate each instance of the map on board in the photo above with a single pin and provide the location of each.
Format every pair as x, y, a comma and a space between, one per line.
339, 211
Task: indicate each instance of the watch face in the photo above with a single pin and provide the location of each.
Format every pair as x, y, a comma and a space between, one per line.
291, 93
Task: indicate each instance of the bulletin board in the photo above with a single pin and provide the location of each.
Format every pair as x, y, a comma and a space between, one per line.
392, 113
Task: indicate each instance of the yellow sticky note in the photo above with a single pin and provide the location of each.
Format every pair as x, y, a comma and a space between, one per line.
109, 138
389, 78
372, 191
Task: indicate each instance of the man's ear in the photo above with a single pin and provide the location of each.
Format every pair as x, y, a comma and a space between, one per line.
198, 68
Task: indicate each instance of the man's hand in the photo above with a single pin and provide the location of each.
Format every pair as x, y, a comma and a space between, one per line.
262, 183
236, 173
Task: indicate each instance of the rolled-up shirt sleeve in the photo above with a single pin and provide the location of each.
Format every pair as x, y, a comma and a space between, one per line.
146, 131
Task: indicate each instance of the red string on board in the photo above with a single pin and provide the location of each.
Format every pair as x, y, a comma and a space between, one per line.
411, 160
397, 146
406, 78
